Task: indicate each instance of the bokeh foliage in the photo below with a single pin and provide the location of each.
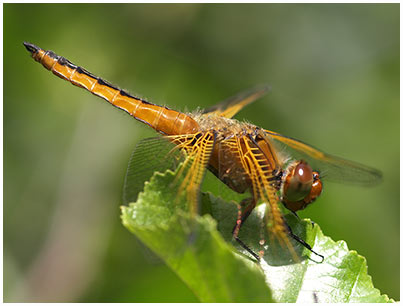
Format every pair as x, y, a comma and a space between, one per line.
334, 70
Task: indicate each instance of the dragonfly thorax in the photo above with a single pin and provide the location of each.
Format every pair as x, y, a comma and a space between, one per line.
223, 127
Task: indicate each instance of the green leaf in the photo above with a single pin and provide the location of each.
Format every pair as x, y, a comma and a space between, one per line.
193, 247
201, 251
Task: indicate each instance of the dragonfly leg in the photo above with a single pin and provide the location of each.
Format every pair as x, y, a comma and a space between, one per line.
303, 242
295, 214
249, 205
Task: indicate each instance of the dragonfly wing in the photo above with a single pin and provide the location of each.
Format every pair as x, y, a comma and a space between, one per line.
191, 152
198, 149
258, 168
233, 105
330, 167
149, 155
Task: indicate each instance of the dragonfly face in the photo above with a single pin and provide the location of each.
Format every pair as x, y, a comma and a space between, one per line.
273, 168
301, 186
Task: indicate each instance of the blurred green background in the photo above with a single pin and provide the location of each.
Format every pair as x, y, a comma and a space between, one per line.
334, 72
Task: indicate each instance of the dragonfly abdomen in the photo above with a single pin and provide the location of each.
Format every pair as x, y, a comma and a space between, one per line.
160, 118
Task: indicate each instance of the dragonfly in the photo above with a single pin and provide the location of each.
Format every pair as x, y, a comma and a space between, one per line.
270, 167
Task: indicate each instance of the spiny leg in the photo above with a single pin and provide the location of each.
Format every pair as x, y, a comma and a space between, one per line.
277, 226
302, 242
249, 205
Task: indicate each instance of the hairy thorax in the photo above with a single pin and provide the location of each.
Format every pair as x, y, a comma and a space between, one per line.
224, 127
225, 161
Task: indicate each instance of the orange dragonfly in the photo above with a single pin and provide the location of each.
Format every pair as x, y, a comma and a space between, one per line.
243, 156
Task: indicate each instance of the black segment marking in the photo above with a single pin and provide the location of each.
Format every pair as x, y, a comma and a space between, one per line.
71, 65
65, 62
52, 54
83, 71
106, 83
31, 47
126, 94
62, 61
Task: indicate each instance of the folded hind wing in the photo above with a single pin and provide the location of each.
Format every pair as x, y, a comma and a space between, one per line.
234, 104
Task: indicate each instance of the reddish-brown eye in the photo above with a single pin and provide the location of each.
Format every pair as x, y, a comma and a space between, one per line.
300, 173
316, 188
298, 183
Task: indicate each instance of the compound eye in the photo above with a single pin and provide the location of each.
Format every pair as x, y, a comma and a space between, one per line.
298, 182
316, 188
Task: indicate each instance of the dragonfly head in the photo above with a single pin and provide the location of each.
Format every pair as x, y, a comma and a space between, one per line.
301, 186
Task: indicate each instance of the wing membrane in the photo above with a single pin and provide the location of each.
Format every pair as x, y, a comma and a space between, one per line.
198, 149
149, 155
192, 151
230, 107
330, 167
256, 164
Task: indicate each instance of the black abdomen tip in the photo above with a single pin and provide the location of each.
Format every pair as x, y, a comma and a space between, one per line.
31, 47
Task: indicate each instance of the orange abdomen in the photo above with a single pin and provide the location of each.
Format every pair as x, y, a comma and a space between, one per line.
162, 119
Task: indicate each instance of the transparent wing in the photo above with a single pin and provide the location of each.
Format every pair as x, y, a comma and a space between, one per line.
192, 151
330, 167
149, 155
234, 104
